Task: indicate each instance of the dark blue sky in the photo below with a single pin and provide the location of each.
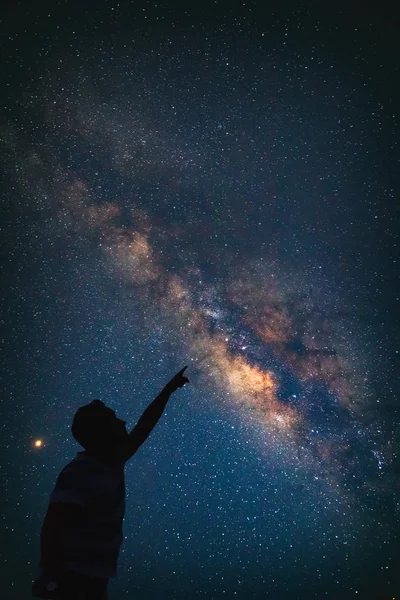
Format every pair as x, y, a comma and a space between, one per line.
215, 186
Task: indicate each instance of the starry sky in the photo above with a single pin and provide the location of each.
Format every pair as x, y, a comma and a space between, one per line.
212, 185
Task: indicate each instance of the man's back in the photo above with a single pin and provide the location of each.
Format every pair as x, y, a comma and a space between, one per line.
92, 545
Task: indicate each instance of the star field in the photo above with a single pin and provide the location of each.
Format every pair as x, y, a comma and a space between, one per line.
215, 187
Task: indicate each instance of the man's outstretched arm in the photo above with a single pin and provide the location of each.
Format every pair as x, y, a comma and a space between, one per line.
151, 415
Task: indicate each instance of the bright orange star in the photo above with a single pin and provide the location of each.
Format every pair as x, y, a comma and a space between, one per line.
38, 443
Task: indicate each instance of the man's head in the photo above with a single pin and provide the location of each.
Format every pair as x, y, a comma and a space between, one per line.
96, 427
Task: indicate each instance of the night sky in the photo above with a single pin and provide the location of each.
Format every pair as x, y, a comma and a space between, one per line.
212, 185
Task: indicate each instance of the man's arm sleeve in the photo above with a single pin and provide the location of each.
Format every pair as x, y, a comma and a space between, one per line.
71, 487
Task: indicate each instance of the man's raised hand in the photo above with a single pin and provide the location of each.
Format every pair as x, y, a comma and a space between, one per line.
177, 381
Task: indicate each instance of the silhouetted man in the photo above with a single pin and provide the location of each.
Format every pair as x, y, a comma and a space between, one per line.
82, 531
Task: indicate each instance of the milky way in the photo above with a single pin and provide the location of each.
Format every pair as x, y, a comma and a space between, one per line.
246, 331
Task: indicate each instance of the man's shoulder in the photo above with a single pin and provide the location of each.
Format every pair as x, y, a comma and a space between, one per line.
83, 461
78, 467
84, 468
77, 480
